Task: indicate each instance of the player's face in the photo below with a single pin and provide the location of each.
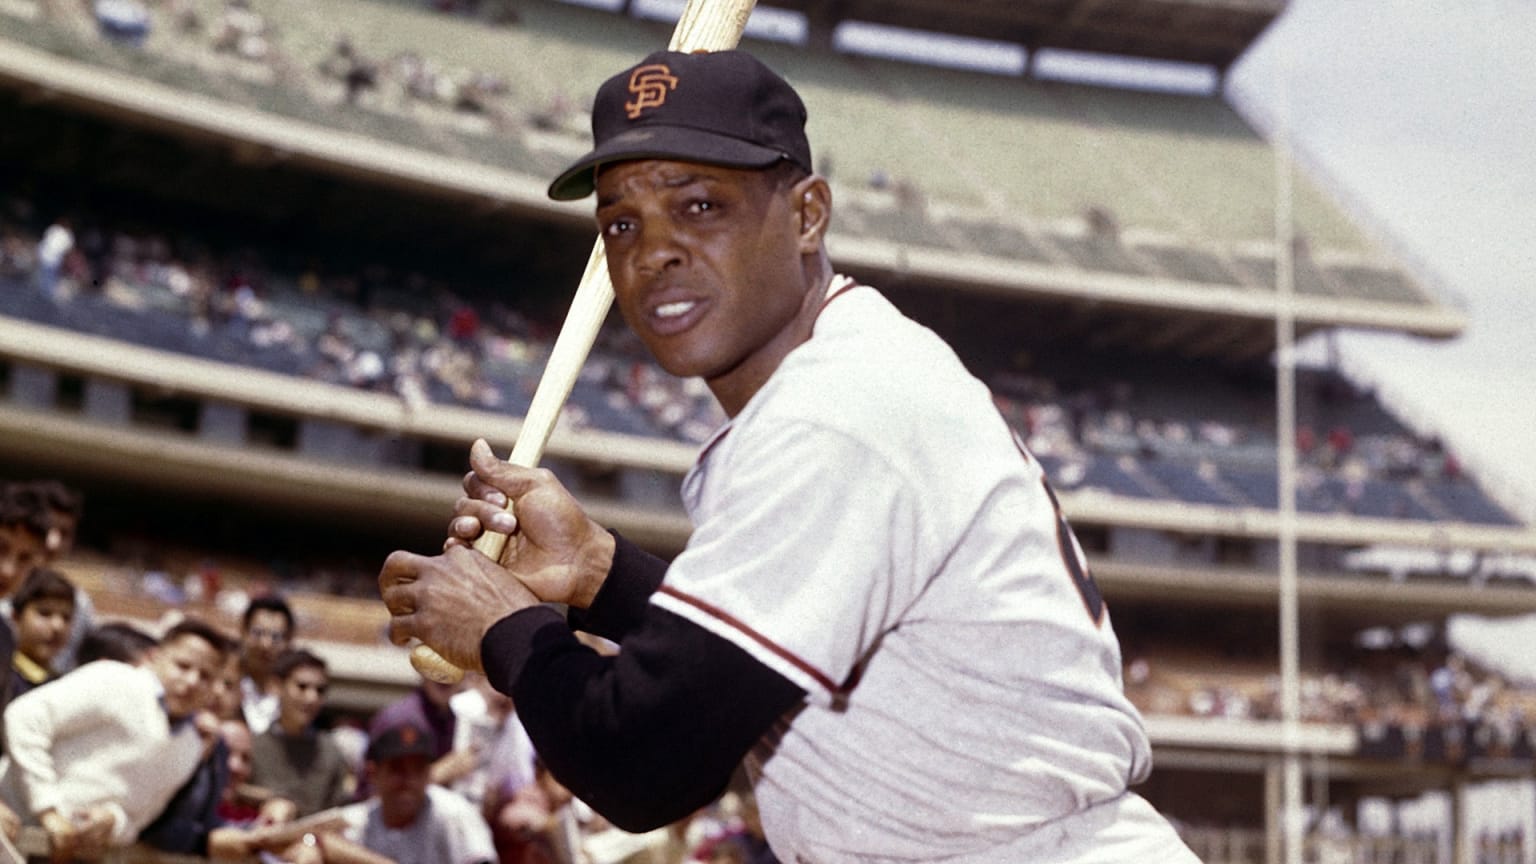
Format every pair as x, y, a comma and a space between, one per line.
42, 629
186, 667
708, 268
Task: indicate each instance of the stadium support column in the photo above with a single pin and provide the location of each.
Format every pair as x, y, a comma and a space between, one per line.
1274, 811
1462, 849
821, 20
1285, 451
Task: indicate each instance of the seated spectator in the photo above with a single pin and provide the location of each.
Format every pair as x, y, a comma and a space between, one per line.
294, 758
409, 818
95, 756
266, 629
41, 611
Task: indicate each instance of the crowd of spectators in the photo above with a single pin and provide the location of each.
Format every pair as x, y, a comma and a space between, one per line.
177, 735
1417, 702
1345, 442
419, 338
253, 44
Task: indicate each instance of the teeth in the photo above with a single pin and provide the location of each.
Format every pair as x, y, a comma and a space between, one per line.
672, 310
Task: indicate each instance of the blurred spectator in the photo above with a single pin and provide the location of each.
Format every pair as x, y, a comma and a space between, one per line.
23, 537
294, 758
355, 72
428, 706
266, 629
96, 755
57, 242
119, 641
410, 818
23, 546
242, 32
487, 728
63, 508
42, 611
124, 21
533, 824
193, 823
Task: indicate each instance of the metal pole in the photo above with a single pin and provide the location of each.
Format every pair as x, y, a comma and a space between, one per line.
1285, 447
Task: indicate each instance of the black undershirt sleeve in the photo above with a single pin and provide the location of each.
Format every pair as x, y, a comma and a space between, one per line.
649, 735
621, 603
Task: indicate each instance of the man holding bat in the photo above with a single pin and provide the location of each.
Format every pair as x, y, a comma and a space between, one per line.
881, 608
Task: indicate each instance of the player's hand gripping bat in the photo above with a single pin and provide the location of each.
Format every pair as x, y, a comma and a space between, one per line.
705, 25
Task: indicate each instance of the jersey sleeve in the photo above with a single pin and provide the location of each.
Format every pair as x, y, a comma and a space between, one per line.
810, 546
645, 736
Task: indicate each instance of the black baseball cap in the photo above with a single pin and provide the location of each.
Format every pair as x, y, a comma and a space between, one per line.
403, 739
719, 108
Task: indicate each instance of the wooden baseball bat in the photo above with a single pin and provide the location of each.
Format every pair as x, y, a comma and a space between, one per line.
705, 25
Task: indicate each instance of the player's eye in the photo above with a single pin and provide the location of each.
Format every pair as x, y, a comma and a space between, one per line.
617, 227
701, 205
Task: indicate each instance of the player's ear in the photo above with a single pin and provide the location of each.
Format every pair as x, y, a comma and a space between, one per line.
812, 199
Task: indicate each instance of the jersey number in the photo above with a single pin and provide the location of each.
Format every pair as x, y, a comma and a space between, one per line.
1071, 550
1077, 566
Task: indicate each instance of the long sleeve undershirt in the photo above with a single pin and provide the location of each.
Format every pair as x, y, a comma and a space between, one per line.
651, 734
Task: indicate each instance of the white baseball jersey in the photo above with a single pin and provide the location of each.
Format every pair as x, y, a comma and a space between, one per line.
869, 527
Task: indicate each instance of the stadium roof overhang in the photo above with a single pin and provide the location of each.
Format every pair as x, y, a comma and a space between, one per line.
1209, 32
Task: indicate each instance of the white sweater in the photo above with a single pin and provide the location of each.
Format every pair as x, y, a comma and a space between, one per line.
98, 735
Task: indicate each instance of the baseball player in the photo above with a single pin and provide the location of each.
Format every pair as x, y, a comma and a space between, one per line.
881, 608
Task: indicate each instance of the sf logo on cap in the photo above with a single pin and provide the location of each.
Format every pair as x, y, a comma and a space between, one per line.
650, 85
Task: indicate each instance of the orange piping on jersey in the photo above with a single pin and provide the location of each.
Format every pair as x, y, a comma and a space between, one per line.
835, 289
742, 627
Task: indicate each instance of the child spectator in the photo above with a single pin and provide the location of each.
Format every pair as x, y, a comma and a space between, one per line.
96, 755
118, 641
42, 612
61, 508
295, 759
409, 818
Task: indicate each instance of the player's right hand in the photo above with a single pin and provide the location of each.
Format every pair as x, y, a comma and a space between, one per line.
553, 547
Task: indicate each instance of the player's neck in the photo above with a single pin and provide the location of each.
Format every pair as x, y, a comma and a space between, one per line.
734, 389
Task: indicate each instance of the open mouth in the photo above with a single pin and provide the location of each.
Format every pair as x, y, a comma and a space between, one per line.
674, 310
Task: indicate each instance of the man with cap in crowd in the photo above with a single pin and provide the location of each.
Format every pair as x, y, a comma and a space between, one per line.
881, 607
409, 818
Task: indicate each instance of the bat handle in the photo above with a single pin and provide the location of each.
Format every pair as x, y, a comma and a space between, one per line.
424, 659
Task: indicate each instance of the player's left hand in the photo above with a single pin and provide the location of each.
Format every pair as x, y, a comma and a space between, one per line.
449, 601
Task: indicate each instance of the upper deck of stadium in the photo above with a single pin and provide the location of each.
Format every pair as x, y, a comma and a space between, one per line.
997, 183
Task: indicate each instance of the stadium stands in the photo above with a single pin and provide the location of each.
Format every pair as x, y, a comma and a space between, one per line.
510, 95
1173, 461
